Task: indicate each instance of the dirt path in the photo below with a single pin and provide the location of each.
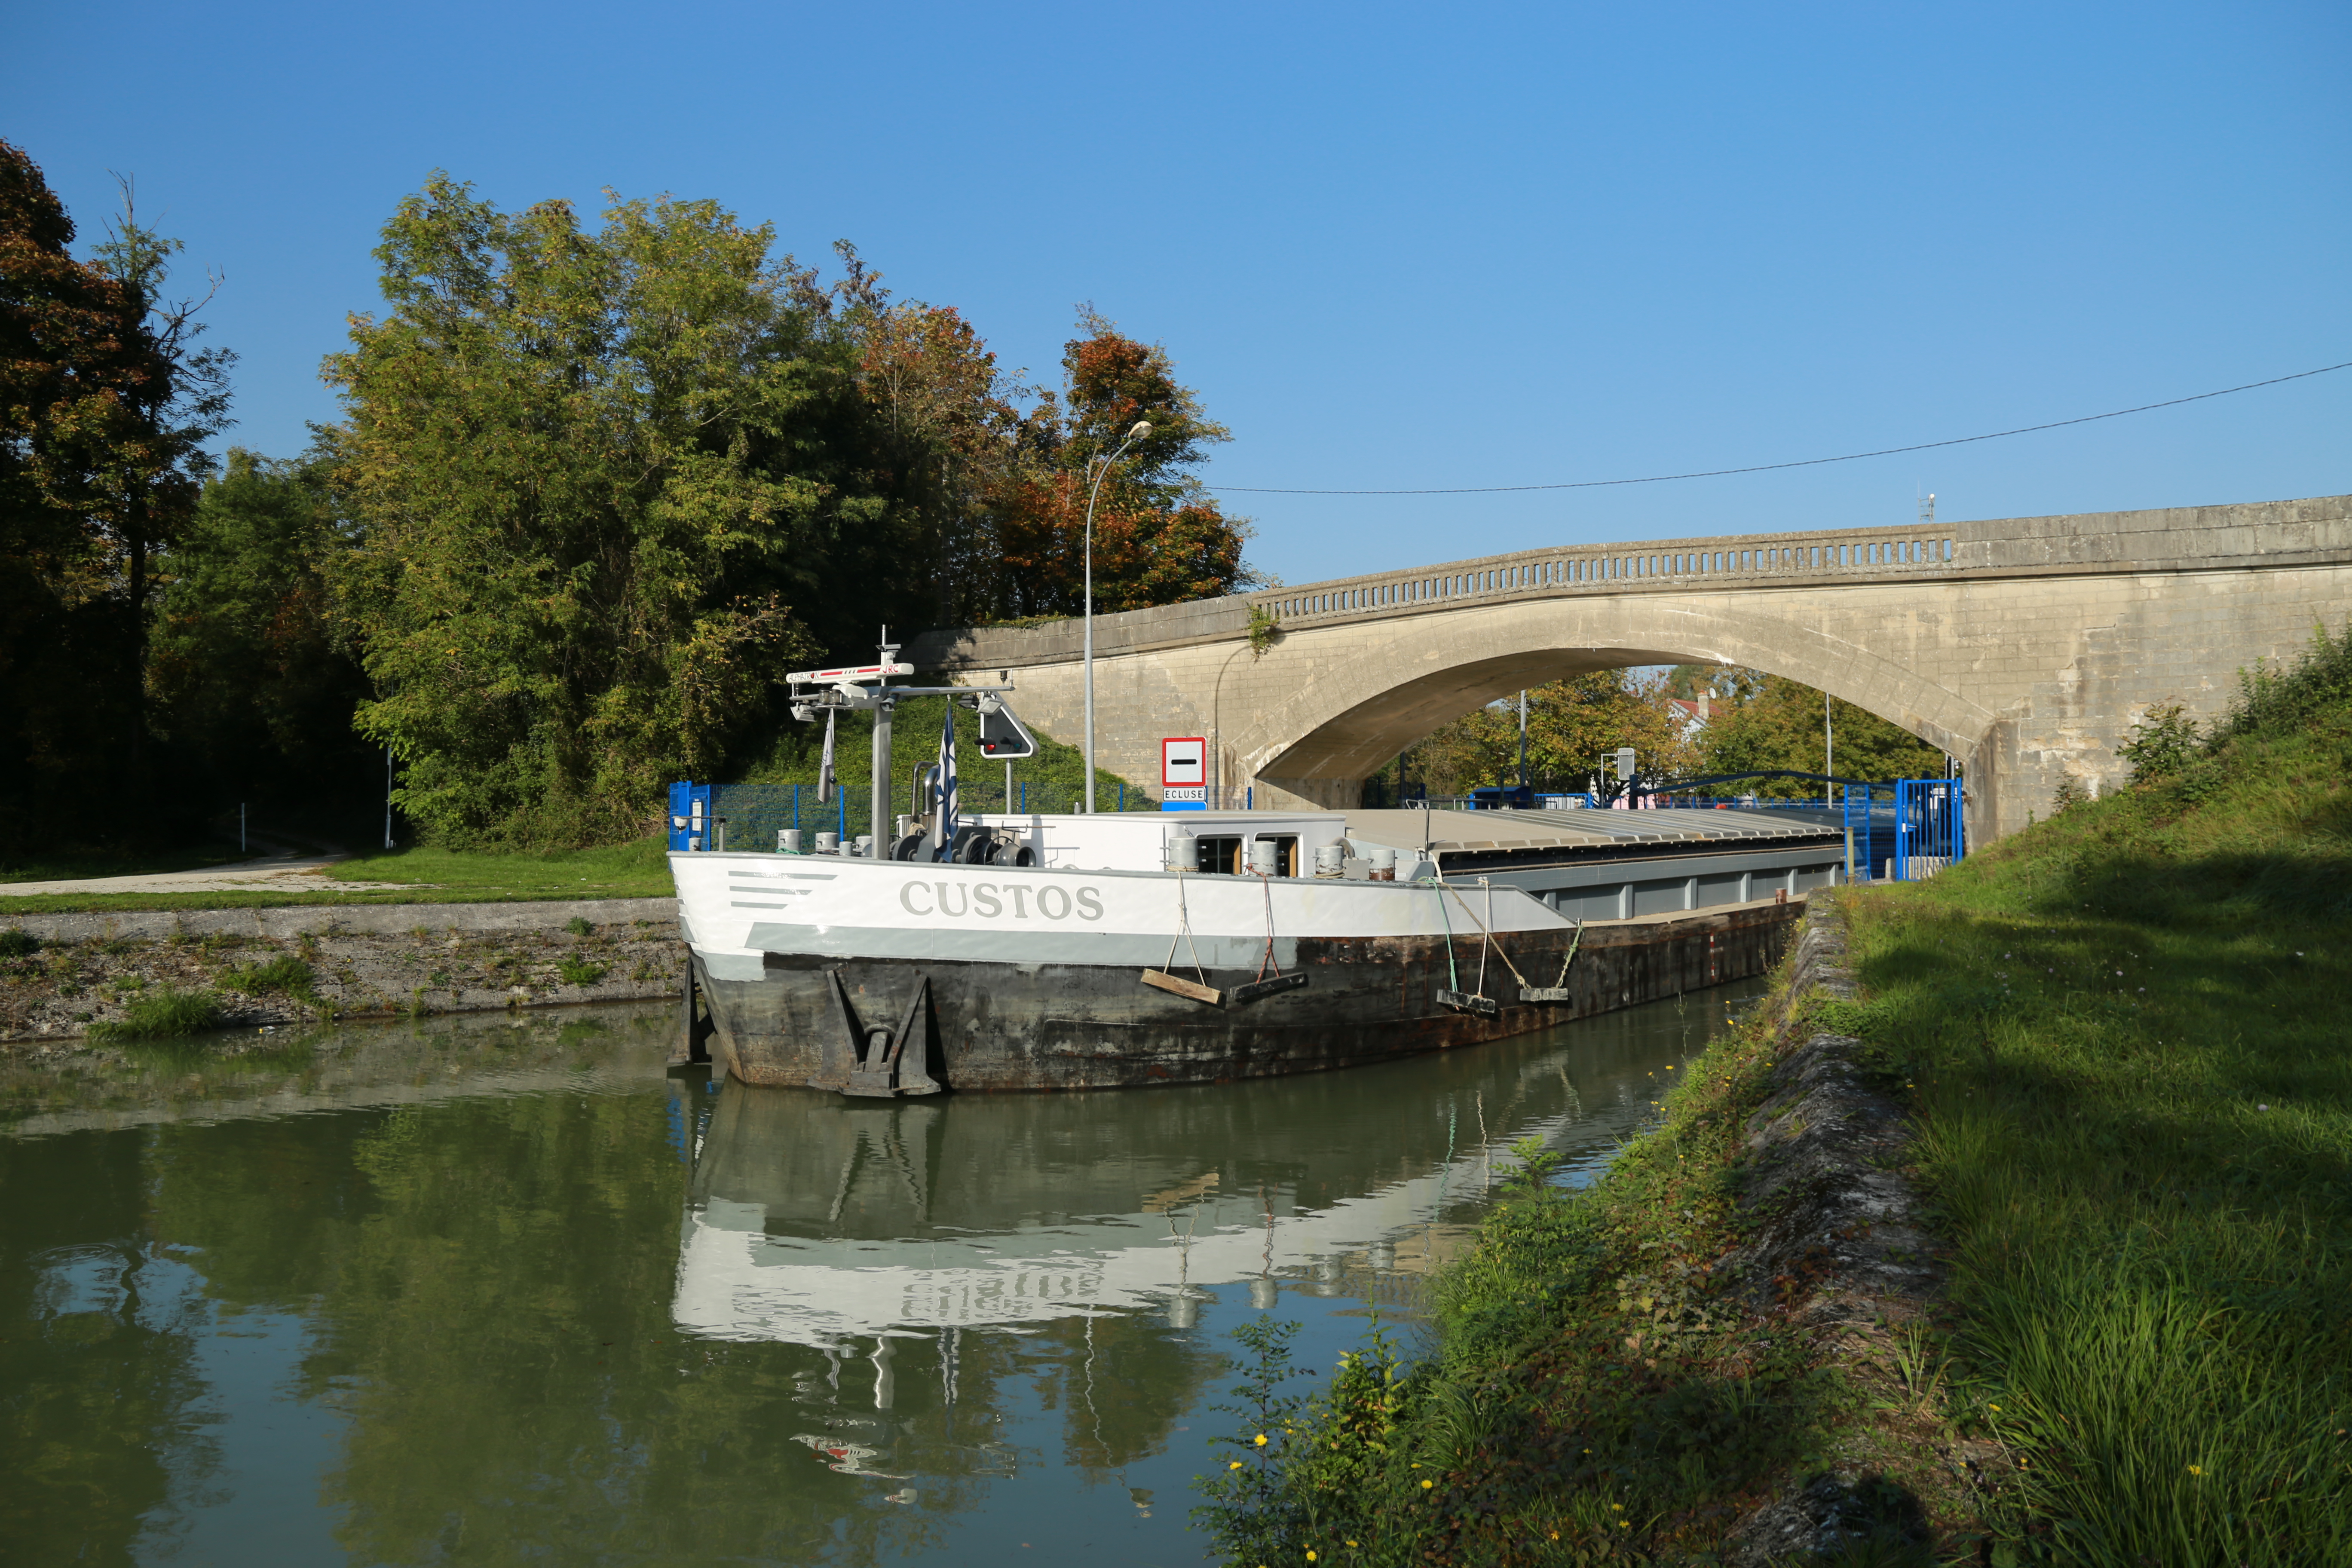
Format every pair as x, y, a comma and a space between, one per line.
286, 870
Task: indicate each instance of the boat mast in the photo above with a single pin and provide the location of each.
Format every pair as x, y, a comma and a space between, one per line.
880, 796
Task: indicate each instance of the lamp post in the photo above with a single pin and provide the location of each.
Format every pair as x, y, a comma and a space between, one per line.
1142, 428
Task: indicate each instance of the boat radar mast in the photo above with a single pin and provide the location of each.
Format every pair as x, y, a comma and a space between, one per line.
866, 689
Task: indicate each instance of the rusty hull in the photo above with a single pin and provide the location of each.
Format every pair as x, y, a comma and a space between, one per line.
1031, 1026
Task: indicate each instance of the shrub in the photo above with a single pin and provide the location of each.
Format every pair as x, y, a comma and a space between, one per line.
2162, 744
579, 925
2279, 700
158, 1015
578, 971
18, 944
286, 975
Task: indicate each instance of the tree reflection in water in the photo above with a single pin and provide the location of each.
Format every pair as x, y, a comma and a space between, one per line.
564, 1308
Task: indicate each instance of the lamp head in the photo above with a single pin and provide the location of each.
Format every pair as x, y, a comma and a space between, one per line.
1142, 428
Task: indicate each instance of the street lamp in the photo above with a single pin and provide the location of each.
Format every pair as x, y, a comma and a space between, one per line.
1142, 428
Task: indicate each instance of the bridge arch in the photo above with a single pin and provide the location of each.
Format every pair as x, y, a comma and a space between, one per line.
2026, 647
1343, 713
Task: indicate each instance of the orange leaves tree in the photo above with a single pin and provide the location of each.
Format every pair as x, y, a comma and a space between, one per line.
1010, 499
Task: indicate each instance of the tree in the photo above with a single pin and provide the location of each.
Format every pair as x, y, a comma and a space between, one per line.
1781, 727
1159, 537
1572, 724
252, 685
104, 404
592, 475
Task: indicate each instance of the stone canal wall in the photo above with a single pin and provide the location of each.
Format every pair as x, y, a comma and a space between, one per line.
346, 960
376, 959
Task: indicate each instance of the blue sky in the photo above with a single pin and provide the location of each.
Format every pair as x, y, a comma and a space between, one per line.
1391, 247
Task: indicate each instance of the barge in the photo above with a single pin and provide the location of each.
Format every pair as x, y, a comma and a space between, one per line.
1087, 951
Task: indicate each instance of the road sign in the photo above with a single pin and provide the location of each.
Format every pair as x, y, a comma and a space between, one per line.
1184, 797
1184, 762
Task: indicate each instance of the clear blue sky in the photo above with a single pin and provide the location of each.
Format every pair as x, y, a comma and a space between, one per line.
1391, 247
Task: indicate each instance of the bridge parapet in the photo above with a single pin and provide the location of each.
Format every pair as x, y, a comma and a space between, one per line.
2266, 533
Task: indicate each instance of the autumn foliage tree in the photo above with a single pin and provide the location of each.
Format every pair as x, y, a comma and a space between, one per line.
1012, 543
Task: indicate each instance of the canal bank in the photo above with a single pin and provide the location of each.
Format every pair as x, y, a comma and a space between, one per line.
1725, 1347
282, 965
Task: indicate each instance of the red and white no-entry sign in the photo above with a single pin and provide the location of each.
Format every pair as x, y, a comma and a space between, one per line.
1185, 771
1184, 760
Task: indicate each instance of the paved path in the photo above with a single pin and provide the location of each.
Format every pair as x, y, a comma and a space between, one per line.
285, 872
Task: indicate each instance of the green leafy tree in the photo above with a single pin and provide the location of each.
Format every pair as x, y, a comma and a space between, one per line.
591, 474
1779, 727
250, 682
1572, 723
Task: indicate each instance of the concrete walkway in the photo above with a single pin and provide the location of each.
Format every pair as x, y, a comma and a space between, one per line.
285, 872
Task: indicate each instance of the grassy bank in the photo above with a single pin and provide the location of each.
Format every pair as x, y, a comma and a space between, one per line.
2126, 1039
1597, 1389
2134, 1043
424, 876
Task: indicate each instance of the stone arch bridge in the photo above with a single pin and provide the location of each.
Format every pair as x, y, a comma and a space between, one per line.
2027, 647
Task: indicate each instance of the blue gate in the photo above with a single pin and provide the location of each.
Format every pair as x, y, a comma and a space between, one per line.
1928, 831
689, 817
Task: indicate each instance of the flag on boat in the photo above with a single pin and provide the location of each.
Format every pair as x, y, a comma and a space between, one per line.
945, 837
824, 779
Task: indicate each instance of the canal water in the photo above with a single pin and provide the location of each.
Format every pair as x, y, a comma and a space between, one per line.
502, 1291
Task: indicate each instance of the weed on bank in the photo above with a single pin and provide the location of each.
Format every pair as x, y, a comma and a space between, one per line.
1597, 1391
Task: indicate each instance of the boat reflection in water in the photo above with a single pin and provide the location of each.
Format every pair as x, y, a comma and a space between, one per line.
819, 1221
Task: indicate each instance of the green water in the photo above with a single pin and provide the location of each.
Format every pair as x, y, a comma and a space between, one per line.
475, 1292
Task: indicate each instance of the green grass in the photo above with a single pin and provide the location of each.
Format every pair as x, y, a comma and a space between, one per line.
1593, 1396
285, 975
160, 1014
1057, 773
578, 971
2132, 1032
634, 870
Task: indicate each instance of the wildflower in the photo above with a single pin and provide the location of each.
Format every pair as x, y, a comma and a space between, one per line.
1234, 1466
1426, 1484
1310, 1554
2196, 1469
1261, 1440
1624, 1524
1617, 1508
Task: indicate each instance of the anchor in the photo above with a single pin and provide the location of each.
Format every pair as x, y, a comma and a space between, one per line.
879, 1063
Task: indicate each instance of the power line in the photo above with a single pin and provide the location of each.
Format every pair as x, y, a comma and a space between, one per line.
1804, 463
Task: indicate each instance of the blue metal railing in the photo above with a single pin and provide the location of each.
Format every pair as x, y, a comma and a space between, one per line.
1930, 826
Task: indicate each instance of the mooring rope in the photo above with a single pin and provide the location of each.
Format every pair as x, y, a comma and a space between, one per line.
1483, 932
1184, 930
1267, 883
1569, 955
1452, 976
